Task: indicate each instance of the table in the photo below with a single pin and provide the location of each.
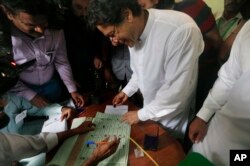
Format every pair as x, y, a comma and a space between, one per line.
169, 151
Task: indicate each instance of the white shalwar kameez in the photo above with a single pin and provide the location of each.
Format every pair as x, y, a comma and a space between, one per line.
229, 102
164, 65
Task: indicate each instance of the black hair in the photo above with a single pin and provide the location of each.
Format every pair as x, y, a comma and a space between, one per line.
164, 4
33, 7
107, 12
245, 10
48, 8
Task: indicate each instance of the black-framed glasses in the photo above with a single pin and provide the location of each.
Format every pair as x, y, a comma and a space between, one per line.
113, 33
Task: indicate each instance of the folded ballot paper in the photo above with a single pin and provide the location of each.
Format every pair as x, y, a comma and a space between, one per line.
54, 124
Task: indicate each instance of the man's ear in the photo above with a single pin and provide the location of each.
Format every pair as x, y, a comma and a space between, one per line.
128, 15
7, 12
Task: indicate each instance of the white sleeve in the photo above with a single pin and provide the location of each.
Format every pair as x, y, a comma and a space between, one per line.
15, 147
131, 86
180, 76
229, 73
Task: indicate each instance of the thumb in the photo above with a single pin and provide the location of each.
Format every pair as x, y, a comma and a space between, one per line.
89, 129
63, 116
192, 136
199, 137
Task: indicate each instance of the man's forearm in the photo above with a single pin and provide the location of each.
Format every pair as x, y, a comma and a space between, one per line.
66, 134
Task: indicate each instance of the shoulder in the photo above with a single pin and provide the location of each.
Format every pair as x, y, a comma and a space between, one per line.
14, 102
240, 48
243, 37
170, 17
199, 11
54, 32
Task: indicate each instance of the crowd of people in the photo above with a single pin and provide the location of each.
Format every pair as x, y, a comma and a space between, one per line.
184, 65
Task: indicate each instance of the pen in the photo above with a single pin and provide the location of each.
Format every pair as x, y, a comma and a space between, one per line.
93, 144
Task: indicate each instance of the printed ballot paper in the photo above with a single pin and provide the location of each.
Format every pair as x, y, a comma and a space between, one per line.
54, 124
118, 110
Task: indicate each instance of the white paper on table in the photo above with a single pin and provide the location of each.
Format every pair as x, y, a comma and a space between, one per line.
54, 124
118, 110
77, 122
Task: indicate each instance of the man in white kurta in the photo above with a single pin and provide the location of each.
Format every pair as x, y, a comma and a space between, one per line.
226, 109
164, 64
164, 50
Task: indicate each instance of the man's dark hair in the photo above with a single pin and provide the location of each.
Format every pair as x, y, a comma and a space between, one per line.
164, 4
33, 7
48, 8
245, 10
107, 12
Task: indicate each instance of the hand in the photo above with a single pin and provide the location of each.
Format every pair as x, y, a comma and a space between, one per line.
197, 130
103, 151
131, 117
120, 98
83, 128
114, 41
78, 99
97, 63
39, 101
68, 113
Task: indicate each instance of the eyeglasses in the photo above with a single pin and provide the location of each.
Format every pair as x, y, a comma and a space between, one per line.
113, 33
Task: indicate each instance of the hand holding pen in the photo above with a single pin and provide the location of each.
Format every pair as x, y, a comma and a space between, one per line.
119, 99
104, 149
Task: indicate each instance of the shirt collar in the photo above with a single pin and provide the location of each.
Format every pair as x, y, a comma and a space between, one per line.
238, 16
17, 33
148, 25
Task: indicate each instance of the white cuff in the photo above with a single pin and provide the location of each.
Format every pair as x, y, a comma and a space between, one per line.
205, 114
143, 115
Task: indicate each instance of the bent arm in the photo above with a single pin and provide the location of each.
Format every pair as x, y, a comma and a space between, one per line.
15, 147
180, 74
